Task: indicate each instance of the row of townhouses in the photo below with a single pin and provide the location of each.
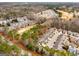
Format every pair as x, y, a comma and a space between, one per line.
58, 38
19, 22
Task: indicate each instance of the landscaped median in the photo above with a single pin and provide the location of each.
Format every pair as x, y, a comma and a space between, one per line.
30, 37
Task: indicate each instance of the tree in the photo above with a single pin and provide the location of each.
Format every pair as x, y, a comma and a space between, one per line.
1, 39
58, 52
15, 49
14, 34
4, 47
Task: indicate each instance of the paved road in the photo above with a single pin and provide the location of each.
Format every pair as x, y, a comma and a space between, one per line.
57, 41
24, 29
45, 36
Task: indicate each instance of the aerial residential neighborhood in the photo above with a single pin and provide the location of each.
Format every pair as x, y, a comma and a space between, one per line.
39, 29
